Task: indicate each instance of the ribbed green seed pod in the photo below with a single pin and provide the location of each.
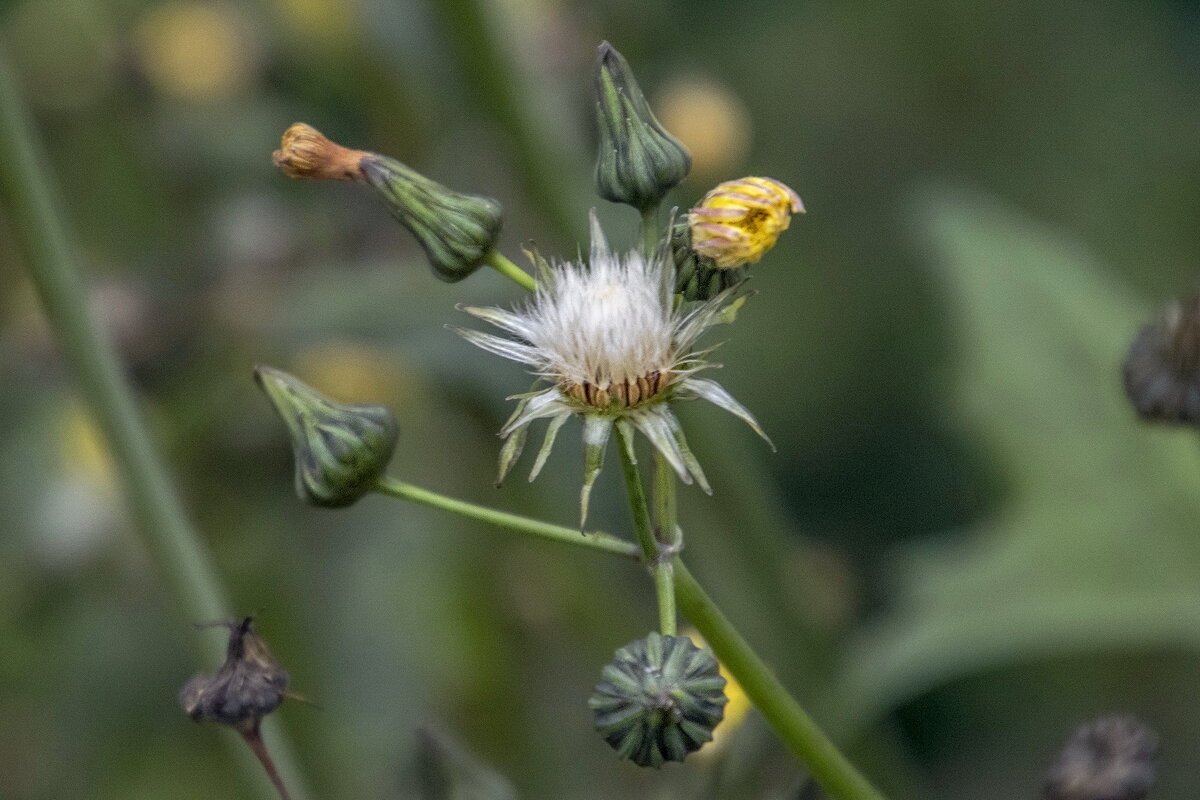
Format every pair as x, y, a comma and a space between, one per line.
638, 160
339, 449
455, 230
659, 700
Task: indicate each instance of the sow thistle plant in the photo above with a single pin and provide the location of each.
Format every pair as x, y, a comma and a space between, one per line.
614, 339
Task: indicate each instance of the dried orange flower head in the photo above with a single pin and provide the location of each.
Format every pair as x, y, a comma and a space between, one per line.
739, 221
305, 152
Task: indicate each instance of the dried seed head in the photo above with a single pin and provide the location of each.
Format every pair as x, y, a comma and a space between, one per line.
247, 687
739, 221
1111, 758
659, 700
339, 449
306, 153
1162, 370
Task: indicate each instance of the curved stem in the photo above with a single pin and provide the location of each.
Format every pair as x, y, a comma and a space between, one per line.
827, 765
510, 270
183, 561
556, 533
656, 558
253, 737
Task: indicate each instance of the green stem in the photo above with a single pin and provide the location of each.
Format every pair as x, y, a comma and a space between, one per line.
666, 525
41, 236
826, 764
667, 533
556, 533
660, 567
650, 231
510, 270
828, 767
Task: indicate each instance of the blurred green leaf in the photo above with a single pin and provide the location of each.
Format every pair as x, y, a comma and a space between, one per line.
1096, 542
450, 772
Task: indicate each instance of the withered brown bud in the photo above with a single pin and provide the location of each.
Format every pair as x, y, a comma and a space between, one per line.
305, 152
1111, 758
247, 687
1162, 370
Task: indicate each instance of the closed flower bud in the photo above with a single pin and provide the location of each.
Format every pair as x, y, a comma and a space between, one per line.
456, 230
659, 700
1162, 370
638, 161
247, 687
340, 450
1111, 758
739, 221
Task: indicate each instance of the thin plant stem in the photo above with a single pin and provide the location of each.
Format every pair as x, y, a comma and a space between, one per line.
650, 231
253, 737
41, 237
660, 566
666, 533
510, 270
666, 525
827, 765
556, 533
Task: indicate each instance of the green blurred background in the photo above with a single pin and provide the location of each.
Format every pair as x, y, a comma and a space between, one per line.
965, 545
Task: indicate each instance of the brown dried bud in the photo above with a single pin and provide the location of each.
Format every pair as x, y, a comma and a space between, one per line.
306, 153
247, 687
1111, 758
1162, 370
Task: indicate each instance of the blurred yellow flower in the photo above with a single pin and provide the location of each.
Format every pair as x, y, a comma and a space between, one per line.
196, 51
326, 21
351, 371
82, 448
710, 120
739, 221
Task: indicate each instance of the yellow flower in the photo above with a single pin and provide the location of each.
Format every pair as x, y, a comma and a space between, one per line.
739, 221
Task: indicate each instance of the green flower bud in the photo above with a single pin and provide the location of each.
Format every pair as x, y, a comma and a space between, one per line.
247, 687
456, 230
340, 449
659, 700
639, 161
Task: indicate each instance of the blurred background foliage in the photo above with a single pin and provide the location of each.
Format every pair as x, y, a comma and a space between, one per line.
965, 545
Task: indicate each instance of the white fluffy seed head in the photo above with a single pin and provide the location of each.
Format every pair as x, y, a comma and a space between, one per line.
605, 323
